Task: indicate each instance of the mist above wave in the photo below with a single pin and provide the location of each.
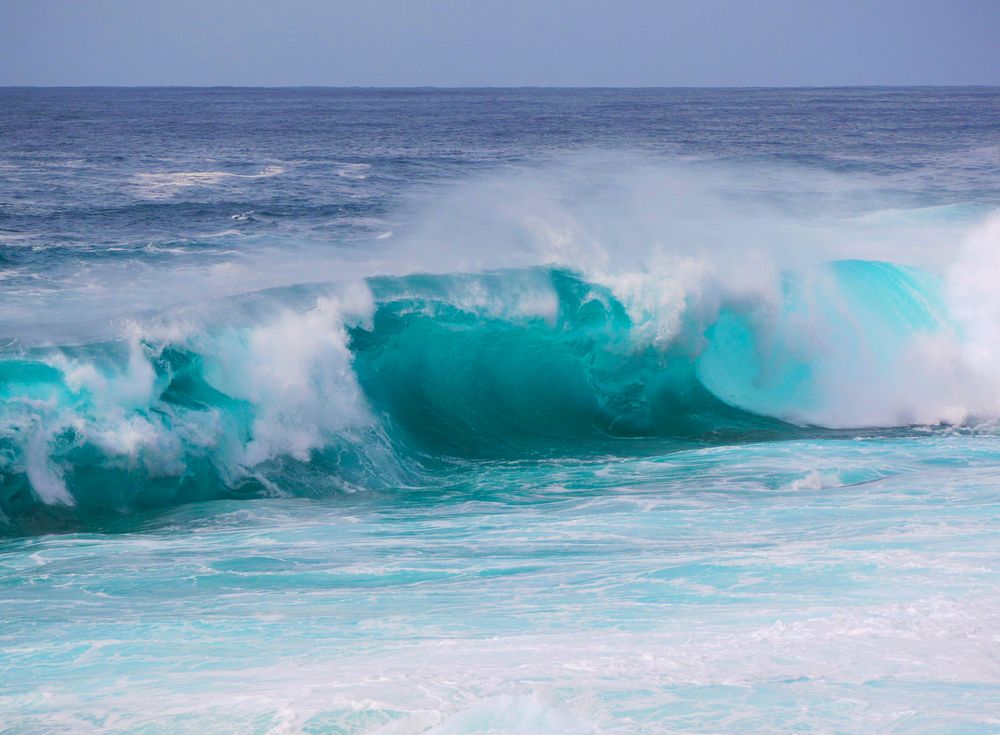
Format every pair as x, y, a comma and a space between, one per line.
531, 311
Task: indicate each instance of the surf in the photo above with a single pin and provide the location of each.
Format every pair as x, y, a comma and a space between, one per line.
328, 388
597, 304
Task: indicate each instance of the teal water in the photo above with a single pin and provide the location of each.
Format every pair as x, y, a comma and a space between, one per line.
584, 411
792, 586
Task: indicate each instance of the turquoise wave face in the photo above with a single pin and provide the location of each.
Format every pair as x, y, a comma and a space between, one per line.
455, 381
306, 392
849, 325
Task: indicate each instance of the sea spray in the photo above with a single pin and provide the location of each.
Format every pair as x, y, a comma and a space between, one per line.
366, 383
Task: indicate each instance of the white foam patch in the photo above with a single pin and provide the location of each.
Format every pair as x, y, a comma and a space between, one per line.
354, 171
160, 185
45, 478
296, 370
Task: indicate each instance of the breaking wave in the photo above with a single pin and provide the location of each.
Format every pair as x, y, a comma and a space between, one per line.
551, 338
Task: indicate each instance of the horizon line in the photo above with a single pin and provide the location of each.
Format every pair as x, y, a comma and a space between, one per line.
501, 87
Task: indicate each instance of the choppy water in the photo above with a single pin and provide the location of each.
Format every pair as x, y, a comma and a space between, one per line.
499, 411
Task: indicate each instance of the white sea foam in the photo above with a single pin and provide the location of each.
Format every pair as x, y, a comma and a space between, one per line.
354, 171
293, 367
159, 185
296, 370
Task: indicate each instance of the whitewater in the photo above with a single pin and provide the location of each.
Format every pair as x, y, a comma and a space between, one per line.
500, 411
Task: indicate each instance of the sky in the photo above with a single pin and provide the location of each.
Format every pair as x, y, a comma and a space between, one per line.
499, 42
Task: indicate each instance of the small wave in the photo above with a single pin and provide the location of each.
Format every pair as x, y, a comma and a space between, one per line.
220, 234
165, 184
354, 171
17, 237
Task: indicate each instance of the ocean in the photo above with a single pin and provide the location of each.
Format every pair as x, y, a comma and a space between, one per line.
500, 411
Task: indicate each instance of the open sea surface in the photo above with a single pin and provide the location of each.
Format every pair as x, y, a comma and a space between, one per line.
499, 411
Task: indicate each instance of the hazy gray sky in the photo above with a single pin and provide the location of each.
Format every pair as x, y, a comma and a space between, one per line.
499, 42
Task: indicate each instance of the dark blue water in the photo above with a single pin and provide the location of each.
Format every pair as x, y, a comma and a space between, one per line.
499, 410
